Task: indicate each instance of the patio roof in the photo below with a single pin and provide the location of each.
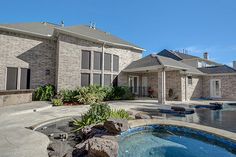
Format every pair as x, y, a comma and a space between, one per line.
155, 62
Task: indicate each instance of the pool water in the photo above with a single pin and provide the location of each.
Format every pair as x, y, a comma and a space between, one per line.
163, 143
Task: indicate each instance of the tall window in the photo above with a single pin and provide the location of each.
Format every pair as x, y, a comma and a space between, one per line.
107, 80
85, 79
115, 63
12, 75
25, 78
107, 61
97, 61
190, 80
97, 79
86, 59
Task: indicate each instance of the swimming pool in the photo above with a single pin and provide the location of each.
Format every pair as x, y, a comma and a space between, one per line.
173, 141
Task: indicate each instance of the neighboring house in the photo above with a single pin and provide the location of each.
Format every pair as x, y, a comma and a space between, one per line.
35, 54
173, 75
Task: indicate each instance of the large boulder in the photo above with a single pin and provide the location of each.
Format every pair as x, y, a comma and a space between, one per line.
91, 130
99, 147
116, 126
142, 115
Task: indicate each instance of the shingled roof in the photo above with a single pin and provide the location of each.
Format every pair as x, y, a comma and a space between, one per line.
46, 29
217, 69
160, 62
176, 55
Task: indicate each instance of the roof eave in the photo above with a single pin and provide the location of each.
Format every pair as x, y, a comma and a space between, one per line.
25, 32
94, 39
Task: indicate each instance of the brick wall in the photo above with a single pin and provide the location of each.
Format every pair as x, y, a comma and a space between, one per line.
69, 60
195, 89
17, 50
228, 86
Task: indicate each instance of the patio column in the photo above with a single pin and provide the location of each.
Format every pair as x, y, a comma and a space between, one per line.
162, 86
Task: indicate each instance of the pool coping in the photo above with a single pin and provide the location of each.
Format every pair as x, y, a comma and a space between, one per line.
215, 131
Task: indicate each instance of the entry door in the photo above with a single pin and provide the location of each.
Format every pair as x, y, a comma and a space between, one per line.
133, 84
144, 86
215, 88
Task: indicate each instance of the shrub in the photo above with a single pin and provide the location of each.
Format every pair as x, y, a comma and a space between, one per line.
57, 102
119, 93
98, 113
68, 95
91, 94
119, 114
44, 93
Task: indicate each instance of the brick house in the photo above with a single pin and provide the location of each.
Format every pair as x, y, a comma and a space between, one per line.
35, 54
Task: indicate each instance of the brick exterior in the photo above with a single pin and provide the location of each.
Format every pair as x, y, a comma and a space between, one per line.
17, 50
69, 61
195, 90
228, 86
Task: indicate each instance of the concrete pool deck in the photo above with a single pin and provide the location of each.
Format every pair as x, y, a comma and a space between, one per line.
17, 141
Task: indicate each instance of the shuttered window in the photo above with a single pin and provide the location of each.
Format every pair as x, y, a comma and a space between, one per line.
86, 59
97, 79
115, 63
85, 79
107, 61
25, 78
97, 61
12, 75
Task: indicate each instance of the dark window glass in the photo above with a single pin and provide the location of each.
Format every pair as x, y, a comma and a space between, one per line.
115, 63
97, 61
107, 61
115, 81
25, 78
97, 79
12, 74
107, 80
85, 79
190, 80
86, 59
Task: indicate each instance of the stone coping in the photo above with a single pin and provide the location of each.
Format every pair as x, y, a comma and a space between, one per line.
9, 92
218, 132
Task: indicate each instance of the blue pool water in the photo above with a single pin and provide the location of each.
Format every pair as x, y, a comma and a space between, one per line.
173, 143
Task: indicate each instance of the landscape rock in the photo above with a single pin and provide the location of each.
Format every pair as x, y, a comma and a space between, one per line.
92, 130
116, 126
58, 148
142, 115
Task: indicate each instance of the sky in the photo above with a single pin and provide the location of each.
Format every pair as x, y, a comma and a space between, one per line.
194, 25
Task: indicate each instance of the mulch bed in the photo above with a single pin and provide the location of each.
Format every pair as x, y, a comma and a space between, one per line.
72, 103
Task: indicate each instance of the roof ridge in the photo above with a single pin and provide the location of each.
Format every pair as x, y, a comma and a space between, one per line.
156, 56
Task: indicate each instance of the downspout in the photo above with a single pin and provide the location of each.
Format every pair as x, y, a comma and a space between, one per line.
103, 52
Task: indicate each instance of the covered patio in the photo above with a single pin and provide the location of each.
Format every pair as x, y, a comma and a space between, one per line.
160, 77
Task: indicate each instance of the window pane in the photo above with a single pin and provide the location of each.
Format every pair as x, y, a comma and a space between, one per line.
107, 61
85, 79
190, 80
115, 81
86, 59
97, 60
107, 80
12, 74
25, 78
97, 79
115, 63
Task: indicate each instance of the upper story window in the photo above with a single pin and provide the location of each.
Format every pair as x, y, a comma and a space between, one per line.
97, 61
86, 59
12, 77
115, 63
107, 61
190, 80
25, 78
85, 79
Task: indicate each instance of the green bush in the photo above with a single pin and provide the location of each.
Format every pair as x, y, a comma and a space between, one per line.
98, 113
68, 95
119, 93
91, 94
57, 102
44, 93
119, 114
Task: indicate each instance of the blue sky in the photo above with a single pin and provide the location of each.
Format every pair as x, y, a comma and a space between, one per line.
195, 25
